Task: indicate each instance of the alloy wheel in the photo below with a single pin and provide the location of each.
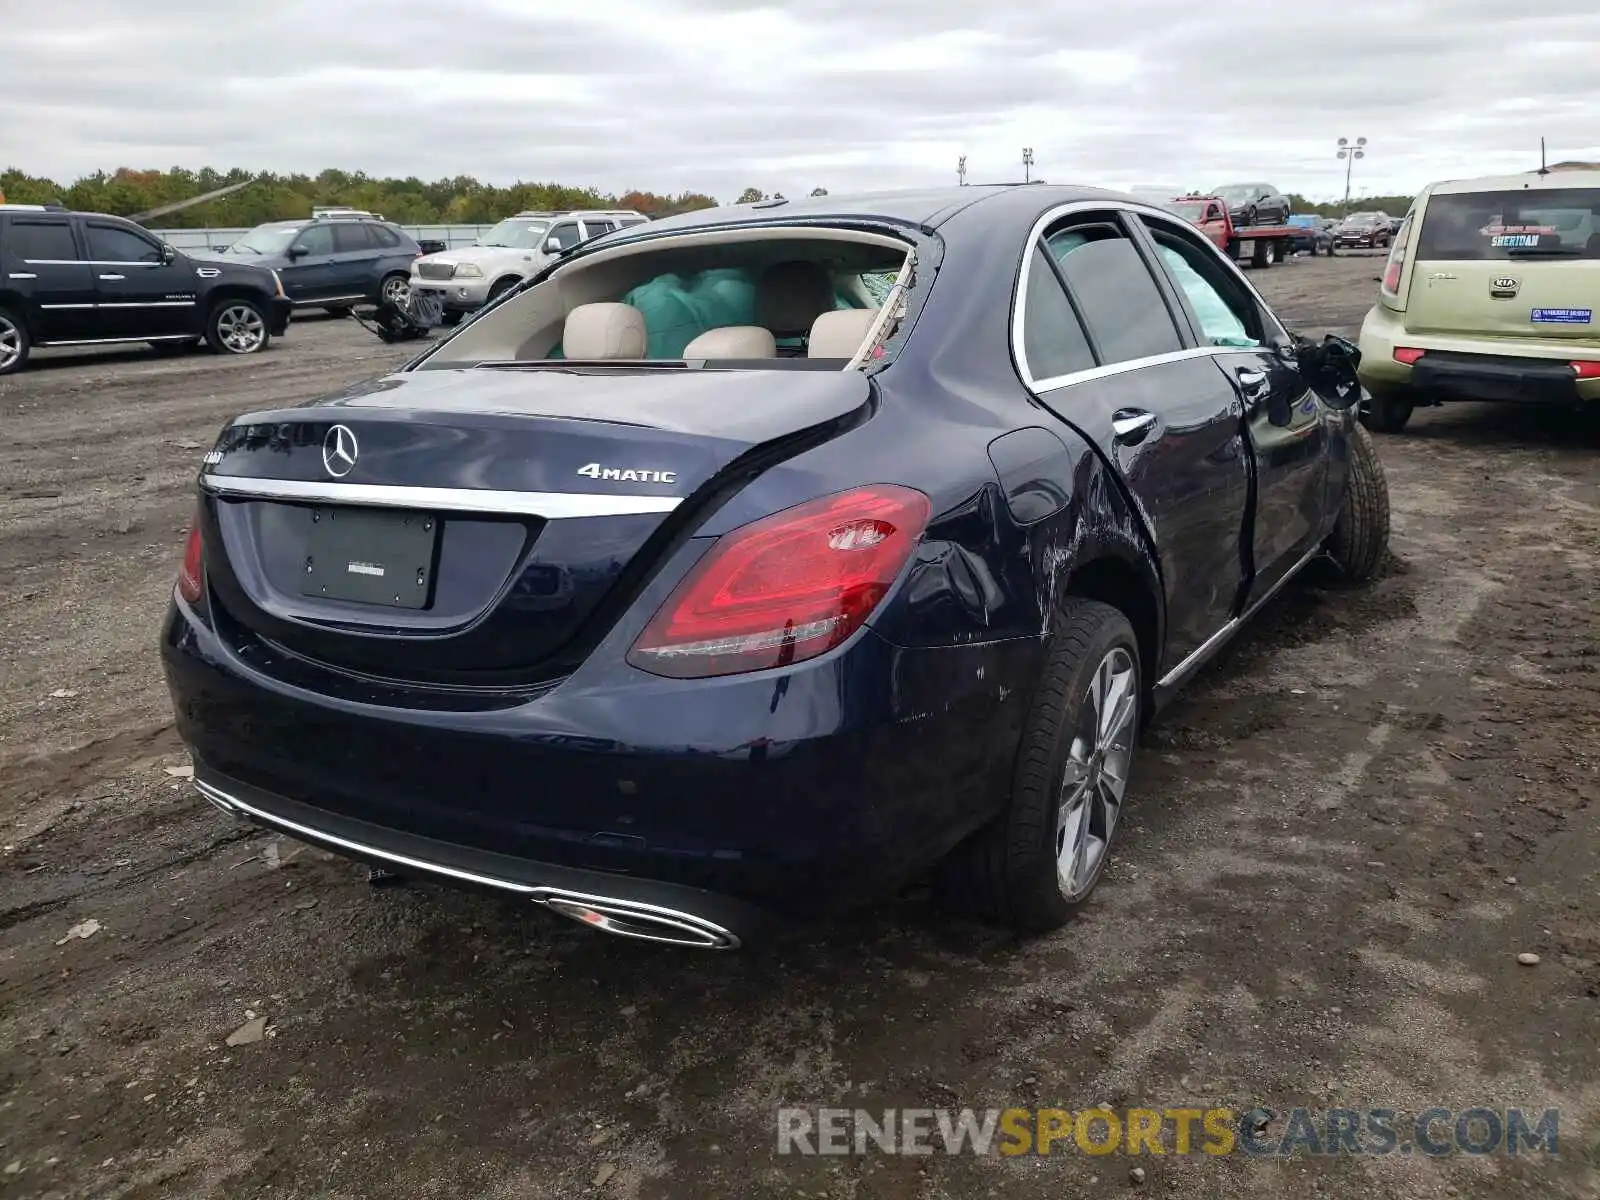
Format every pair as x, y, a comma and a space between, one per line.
396, 291
10, 343
1096, 772
241, 329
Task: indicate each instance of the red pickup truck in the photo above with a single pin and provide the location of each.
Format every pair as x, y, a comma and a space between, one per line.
1258, 245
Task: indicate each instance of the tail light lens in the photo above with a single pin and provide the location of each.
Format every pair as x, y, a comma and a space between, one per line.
1407, 355
191, 576
787, 587
1587, 370
1397, 259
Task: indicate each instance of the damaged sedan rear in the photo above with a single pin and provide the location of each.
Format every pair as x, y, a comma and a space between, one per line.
758, 561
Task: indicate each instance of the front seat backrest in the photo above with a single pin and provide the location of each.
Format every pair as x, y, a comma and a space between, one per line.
733, 341
790, 295
839, 334
604, 331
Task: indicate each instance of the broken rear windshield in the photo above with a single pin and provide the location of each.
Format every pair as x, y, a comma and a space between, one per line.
1525, 223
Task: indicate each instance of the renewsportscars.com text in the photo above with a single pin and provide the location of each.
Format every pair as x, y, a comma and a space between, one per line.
1264, 1132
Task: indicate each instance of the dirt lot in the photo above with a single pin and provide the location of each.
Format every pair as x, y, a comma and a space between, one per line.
1340, 840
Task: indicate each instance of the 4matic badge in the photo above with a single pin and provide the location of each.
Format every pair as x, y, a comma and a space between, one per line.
628, 474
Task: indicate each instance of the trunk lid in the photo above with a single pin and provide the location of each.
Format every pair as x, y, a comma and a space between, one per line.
476, 527
1521, 264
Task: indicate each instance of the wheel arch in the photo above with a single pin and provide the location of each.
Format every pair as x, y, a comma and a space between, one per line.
1112, 579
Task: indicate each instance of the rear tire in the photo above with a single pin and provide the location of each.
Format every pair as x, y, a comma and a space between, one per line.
237, 326
1386, 412
1036, 865
1360, 537
395, 289
15, 344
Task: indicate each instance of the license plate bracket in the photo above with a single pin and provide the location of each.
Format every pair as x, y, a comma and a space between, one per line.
384, 557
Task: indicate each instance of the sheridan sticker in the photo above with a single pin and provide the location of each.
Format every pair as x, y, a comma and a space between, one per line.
1562, 316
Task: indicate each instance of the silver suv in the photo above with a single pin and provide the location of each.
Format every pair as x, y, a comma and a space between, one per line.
469, 277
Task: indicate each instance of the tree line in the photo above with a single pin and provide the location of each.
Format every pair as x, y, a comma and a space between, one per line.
462, 200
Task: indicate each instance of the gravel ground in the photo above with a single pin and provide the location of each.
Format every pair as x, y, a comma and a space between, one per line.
1338, 842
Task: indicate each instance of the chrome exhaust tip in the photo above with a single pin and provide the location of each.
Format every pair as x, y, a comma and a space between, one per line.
643, 922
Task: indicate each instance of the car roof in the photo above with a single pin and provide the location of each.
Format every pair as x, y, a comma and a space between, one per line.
1531, 180
927, 207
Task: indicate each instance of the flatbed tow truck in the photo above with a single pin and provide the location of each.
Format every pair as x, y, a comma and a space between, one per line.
1257, 245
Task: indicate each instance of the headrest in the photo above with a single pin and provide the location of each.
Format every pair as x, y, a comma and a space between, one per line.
733, 341
789, 295
839, 334
604, 331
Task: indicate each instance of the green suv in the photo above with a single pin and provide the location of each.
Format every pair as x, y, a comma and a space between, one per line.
1489, 294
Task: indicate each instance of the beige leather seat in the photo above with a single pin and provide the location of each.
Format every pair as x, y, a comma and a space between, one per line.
789, 295
839, 334
733, 341
604, 331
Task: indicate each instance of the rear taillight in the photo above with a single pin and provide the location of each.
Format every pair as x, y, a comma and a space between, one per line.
191, 580
1407, 354
1397, 258
787, 587
1587, 370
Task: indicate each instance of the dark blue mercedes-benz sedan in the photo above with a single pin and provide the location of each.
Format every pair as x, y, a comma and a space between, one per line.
760, 560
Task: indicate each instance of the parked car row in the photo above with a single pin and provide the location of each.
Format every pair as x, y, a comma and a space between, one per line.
87, 279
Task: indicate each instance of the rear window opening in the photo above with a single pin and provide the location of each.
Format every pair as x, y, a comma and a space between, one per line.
744, 299
1556, 223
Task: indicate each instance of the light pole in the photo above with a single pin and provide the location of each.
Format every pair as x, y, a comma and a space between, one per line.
961, 170
1350, 153
1027, 164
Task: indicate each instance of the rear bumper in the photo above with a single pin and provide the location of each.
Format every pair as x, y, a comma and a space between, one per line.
813, 789
1440, 376
639, 908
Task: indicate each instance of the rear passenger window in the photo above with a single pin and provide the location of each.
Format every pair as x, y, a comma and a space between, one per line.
108, 244
41, 241
1116, 293
1226, 315
1053, 342
347, 239
383, 235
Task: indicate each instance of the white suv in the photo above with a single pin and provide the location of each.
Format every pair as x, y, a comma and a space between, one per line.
469, 277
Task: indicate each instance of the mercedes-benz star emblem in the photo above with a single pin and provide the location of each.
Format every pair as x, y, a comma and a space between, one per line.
339, 451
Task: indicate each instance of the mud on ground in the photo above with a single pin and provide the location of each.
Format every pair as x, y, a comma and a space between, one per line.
1338, 842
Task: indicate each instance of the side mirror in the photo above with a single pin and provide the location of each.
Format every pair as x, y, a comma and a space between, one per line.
1329, 369
295, 252
552, 246
168, 255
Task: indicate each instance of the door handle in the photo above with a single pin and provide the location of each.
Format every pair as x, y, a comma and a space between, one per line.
1254, 384
1129, 425
113, 277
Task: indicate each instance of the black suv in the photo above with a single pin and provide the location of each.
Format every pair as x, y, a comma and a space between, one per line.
331, 262
78, 279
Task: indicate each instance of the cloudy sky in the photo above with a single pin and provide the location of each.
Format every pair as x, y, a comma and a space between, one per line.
715, 95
